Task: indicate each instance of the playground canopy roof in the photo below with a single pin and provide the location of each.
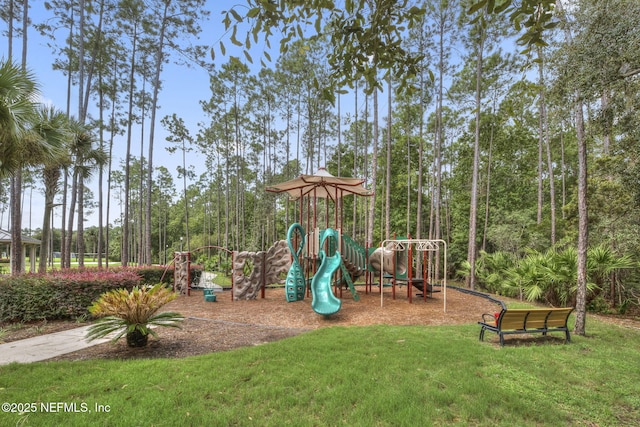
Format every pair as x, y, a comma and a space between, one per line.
321, 185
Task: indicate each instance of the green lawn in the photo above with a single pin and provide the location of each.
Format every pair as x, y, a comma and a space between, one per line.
355, 376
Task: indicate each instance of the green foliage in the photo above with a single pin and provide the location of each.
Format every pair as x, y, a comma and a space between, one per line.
125, 312
218, 262
17, 91
367, 36
536, 274
602, 261
599, 305
154, 274
490, 269
514, 232
535, 17
549, 277
60, 295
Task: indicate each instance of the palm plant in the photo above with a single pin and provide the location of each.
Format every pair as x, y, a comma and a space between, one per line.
561, 276
21, 142
17, 93
132, 314
603, 261
491, 267
85, 158
51, 125
528, 276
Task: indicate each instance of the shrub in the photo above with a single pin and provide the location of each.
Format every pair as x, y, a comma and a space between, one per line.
154, 274
58, 295
551, 276
599, 305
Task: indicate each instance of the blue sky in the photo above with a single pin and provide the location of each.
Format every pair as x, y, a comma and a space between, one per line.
183, 88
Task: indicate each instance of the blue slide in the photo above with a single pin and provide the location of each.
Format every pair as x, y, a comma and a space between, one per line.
324, 302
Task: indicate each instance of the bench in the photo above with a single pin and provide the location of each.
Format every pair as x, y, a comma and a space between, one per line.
526, 321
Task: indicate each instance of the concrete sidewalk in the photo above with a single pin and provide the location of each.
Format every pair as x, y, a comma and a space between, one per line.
46, 346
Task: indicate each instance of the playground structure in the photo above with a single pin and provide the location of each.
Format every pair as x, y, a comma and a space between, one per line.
331, 263
341, 252
326, 259
324, 301
263, 268
335, 261
250, 271
426, 280
295, 285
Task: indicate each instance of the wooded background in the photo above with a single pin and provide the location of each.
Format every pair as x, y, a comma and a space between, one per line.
467, 124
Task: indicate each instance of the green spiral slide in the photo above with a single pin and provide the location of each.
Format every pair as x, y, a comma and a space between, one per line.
324, 302
296, 284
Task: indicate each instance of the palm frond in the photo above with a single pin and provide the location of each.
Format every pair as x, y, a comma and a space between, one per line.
124, 312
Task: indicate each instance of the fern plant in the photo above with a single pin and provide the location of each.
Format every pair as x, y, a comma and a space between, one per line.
132, 314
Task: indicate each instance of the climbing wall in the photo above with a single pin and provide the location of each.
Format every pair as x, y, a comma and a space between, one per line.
253, 270
181, 272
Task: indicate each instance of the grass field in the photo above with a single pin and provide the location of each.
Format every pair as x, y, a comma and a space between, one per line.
355, 376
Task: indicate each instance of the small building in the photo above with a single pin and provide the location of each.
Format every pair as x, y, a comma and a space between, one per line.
28, 243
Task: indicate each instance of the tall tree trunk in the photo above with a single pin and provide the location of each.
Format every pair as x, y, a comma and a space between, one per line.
51, 176
339, 140
186, 200
64, 253
387, 212
420, 157
219, 201
287, 171
374, 171
354, 218
473, 209
124, 256
488, 191
563, 171
365, 162
408, 183
80, 38
439, 138
100, 172
80, 231
238, 186
419, 220
25, 27
540, 190
72, 208
10, 18
141, 243
81, 118
154, 104
583, 222
112, 134
227, 184
63, 219
17, 264
606, 105
544, 133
